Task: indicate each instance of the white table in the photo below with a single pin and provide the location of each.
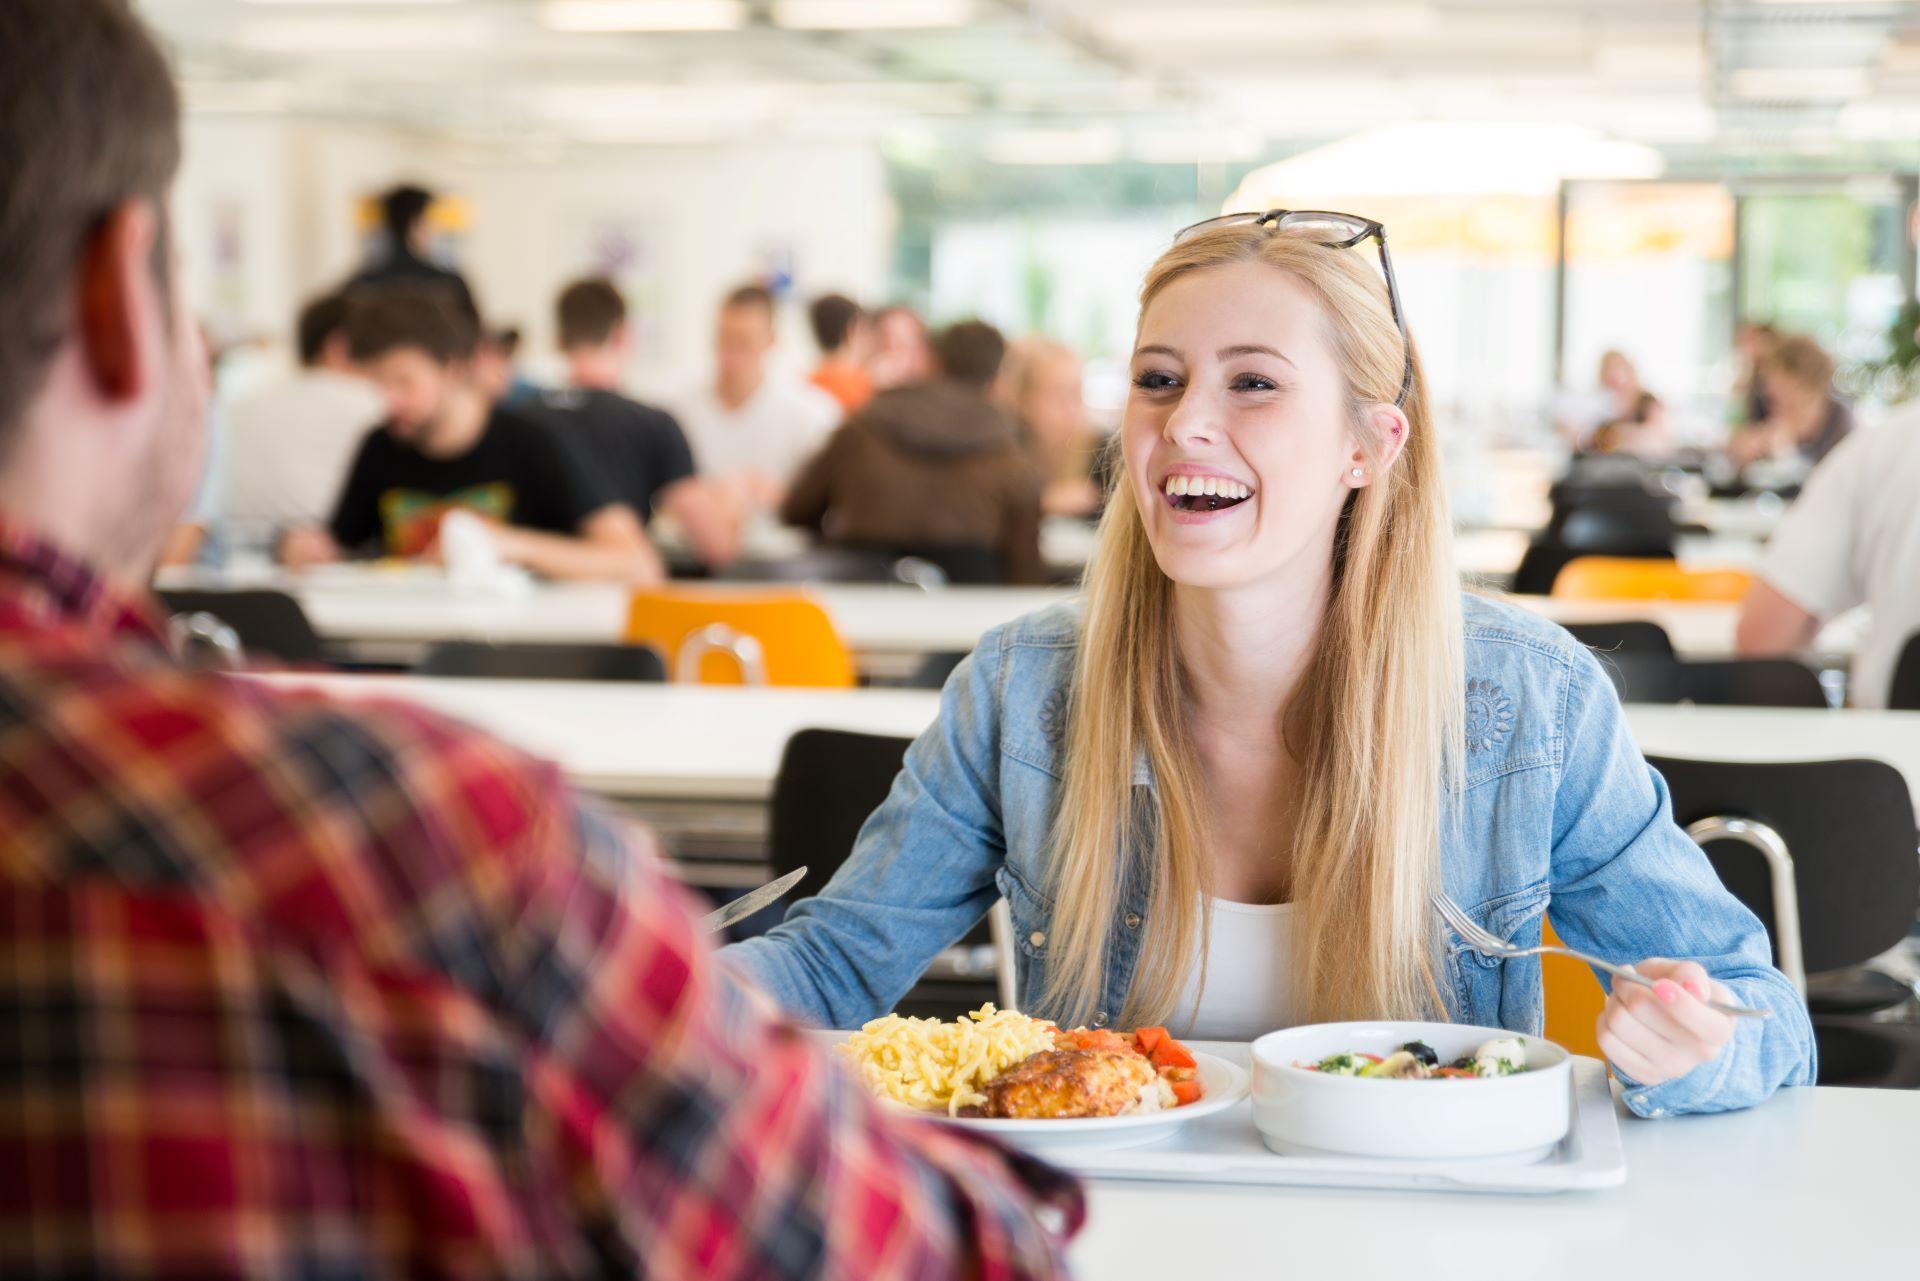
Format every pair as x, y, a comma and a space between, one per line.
394, 613
723, 743
1698, 629
1815, 1182
406, 610
1753, 517
1491, 556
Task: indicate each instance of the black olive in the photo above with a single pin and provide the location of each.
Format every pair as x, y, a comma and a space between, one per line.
1422, 1051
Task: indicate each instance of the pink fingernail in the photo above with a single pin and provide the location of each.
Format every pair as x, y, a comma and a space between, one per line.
1667, 991
1696, 987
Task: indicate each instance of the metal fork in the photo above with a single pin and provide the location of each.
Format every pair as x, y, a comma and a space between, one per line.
1488, 944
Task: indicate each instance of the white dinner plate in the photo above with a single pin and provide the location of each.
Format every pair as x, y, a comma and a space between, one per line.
1226, 1084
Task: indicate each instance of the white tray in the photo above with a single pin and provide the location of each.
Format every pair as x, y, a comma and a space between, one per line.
1225, 1148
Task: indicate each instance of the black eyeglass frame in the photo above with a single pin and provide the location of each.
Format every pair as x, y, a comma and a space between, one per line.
1366, 229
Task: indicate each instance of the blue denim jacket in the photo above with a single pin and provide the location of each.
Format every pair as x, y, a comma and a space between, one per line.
1557, 804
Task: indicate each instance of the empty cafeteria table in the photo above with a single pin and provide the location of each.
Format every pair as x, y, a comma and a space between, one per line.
722, 743
394, 615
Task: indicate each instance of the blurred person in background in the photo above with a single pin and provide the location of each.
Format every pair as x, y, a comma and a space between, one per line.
403, 258
845, 338
900, 353
496, 366
750, 425
297, 988
446, 447
200, 537
1753, 342
930, 468
636, 452
1851, 538
1637, 418
1043, 384
290, 443
1805, 419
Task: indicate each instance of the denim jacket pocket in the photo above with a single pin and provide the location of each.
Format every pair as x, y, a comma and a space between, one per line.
1032, 912
1478, 979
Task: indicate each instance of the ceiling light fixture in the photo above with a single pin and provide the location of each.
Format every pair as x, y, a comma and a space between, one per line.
871, 15
644, 15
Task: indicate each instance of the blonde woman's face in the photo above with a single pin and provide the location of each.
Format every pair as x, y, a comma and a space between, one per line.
1236, 435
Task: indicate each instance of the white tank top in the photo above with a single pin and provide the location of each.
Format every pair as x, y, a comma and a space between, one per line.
1249, 990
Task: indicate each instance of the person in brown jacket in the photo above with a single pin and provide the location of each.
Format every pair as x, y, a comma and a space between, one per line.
933, 469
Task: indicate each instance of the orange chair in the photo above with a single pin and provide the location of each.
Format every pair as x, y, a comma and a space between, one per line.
1627, 578
1574, 999
740, 638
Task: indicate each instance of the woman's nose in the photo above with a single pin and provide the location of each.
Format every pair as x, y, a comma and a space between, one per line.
1193, 421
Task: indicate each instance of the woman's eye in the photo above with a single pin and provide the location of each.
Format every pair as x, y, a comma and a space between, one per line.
1253, 382
1154, 380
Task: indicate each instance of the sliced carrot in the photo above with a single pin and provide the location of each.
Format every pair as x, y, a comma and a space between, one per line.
1170, 1053
1185, 1092
1149, 1039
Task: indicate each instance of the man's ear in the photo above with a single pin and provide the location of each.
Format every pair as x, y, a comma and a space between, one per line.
119, 299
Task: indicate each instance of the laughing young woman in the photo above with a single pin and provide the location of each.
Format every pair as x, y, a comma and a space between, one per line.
1219, 794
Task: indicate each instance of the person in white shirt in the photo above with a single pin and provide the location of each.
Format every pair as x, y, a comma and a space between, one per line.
1851, 538
289, 444
750, 427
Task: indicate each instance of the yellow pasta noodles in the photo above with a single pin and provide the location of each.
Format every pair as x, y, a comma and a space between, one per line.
938, 1066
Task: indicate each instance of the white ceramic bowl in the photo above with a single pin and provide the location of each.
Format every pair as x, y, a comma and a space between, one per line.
1514, 1118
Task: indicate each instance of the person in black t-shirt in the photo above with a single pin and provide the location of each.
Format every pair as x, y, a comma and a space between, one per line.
444, 448
638, 453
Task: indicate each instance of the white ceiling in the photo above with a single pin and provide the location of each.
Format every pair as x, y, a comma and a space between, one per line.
1064, 79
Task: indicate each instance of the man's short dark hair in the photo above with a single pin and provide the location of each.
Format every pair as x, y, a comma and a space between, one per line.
588, 312
749, 296
386, 318
319, 321
89, 120
402, 208
970, 352
832, 317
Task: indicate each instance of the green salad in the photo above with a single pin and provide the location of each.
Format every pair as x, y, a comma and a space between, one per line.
1417, 1061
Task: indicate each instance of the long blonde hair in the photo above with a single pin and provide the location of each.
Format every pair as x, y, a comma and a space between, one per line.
1376, 724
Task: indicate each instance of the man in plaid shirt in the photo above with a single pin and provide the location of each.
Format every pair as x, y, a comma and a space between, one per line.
293, 991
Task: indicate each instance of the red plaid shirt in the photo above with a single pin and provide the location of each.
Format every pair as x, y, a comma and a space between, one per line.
293, 991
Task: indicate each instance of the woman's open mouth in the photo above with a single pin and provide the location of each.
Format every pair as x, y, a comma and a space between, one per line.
1204, 493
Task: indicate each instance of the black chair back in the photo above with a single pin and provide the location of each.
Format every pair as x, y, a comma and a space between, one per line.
1849, 827
545, 662
1739, 682
1904, 695
829, 782
267, 622
1631, 636
1630, 530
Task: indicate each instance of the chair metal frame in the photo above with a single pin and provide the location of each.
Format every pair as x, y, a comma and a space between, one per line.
201, 632
718, 638
1768, 844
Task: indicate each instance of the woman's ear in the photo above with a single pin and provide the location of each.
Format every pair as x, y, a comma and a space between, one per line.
1390, 428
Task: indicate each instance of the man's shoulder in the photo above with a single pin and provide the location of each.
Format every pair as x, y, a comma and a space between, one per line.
241, 765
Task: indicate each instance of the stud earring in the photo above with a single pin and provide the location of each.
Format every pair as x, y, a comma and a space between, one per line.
1358, 472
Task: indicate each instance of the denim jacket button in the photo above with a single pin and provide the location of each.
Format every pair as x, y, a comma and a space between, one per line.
1100, 1019
1037, 938
1133, 920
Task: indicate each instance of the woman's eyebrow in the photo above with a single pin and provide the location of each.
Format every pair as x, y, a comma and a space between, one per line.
1157, 349
1251, 349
